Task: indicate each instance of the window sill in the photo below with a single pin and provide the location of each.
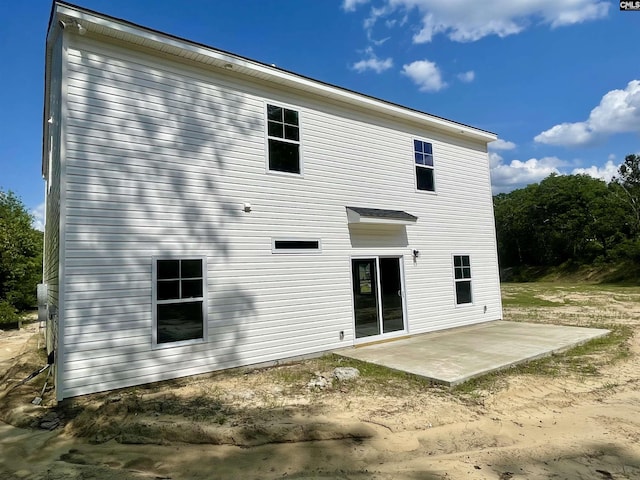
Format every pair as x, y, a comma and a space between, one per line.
464, 305
182, 343
284, 174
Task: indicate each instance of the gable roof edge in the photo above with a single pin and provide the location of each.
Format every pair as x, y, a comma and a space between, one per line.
167, 43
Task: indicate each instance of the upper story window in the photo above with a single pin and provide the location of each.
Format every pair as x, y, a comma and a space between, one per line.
283, 134
423, 154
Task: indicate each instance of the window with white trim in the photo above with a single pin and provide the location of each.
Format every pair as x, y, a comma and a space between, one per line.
288, 245
423, 156
462, 279
283, 137
179, 297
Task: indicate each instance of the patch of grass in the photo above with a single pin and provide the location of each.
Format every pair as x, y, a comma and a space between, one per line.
527, 298
541, 288
582, 360
624, 273
376, 377
290, 375
497, 380
615, 344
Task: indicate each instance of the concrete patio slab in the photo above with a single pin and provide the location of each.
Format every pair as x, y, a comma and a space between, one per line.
454, 356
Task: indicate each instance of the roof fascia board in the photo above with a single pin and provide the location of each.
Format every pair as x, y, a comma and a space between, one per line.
276, 74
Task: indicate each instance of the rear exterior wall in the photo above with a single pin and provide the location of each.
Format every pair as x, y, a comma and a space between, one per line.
160, 158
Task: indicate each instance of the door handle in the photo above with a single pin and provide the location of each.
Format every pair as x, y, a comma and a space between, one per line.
400, 293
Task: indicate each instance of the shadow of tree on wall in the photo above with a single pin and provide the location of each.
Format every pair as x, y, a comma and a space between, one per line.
147, 149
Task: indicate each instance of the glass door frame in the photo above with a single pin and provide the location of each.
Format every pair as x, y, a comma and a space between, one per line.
382, 335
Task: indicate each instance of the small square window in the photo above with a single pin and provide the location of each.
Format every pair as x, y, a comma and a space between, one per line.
290, 117
191, 268
274, 113
168, 289
276, 129
291, 133
168, 269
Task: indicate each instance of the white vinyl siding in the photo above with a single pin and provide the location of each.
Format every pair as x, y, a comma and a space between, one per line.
51, 253
161, 158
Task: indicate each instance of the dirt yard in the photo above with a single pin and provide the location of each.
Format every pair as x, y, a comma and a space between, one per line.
572, 416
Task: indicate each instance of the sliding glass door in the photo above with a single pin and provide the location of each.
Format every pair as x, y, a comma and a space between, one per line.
378, 296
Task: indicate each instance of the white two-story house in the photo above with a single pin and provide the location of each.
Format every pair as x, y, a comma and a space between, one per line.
207, 211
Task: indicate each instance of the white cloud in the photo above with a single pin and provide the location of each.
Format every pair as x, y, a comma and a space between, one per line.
377, 43
38, 217
425, 74
399, 22
372, 63
618, 112
517, 174
606, 172
371, 20
467, 77
501, 144
567, 134
470, 20
351, 5
494, 160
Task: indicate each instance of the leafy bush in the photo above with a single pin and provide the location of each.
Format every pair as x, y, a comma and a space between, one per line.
8, 314
628, 250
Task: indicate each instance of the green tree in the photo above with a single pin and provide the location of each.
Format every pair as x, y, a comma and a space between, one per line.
608, 221
628, 190
573, 209
564, 218
571, 218
20, 253
517, 234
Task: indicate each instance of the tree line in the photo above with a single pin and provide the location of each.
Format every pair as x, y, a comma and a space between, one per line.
571, 218
20, 258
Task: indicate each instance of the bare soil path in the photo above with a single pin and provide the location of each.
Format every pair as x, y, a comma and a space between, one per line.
572, 417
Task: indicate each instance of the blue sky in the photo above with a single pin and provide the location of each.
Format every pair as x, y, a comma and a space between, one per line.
557, 80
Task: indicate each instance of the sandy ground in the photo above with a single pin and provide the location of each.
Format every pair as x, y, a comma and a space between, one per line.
267, 424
